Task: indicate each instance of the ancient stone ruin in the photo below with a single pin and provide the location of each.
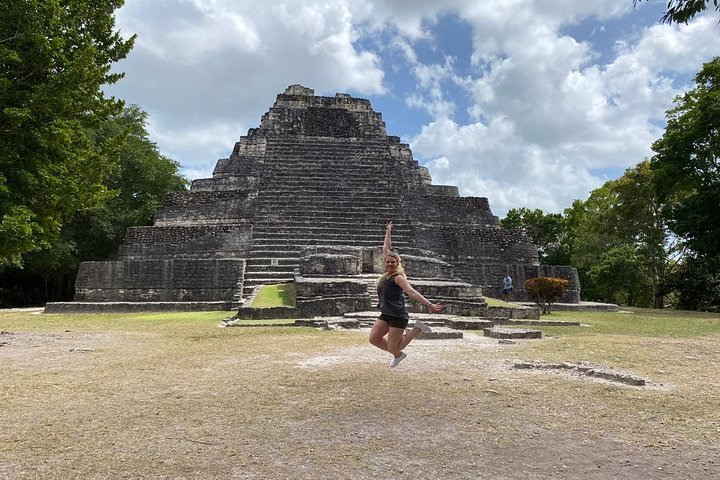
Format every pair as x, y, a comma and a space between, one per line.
305, 197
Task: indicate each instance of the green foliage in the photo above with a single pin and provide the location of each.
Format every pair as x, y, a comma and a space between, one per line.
686, 164
625, 215
138, 183
697, 284
547, 231
545, 290
681, 11
54, 58
281, 295
620, 277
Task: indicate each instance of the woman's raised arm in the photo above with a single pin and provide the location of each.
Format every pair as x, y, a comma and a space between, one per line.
387, 244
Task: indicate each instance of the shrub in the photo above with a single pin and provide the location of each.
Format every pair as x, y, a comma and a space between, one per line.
545, 290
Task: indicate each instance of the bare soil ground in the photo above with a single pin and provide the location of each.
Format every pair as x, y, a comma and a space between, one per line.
163, 398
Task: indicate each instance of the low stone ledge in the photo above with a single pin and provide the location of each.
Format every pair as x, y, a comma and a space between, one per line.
515, 333
332, 306
579, 307
251, 313
540, 323
585, 370
237, 322
440, 333
327, 323
519, 312
470, 323
132, 307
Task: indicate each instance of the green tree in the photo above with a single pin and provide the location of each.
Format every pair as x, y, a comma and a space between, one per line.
54, 58
626, 213
681, 11
686, 164
547, 230
697, 284
138, 183
620, 276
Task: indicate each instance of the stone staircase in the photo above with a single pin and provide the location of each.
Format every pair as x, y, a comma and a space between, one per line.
321, 192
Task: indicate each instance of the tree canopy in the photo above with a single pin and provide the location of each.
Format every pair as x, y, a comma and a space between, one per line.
681, 11
686, 163
546, 230
54, 58
136, 186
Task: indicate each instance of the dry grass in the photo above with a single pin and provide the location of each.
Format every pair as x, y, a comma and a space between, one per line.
174, 396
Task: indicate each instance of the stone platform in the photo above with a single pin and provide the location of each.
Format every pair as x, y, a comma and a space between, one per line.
132, 307
577, 307
511, 333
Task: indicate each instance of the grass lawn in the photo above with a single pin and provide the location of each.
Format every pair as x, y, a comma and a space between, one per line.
170, 396
280, 295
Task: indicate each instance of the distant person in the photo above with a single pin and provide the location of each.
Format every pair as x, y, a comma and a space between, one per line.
507, 287
393, 313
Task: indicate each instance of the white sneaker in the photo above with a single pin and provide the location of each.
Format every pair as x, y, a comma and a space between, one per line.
396, 361
424, 328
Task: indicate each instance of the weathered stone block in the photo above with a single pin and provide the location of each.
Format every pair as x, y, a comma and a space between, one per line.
180, 280
511, 333
329, 264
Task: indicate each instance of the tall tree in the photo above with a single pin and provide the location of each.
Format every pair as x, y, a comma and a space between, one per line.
627, 214
686, 164
54, 58
696, 282
619, 276
547, 231
137, 185
681, 11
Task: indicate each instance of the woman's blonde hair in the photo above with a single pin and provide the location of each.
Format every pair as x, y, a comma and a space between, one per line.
398, 271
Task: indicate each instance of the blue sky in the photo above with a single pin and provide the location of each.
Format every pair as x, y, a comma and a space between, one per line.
530, 103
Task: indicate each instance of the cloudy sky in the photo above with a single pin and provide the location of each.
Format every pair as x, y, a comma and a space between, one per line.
531, 103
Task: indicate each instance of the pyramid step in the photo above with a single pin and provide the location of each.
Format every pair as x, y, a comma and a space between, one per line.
262, 277
284, 269
270, 261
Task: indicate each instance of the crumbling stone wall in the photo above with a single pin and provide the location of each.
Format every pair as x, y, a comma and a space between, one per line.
231, 241
179, 280
451, 210
470, 246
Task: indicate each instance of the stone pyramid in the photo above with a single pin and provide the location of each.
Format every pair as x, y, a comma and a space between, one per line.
319, 172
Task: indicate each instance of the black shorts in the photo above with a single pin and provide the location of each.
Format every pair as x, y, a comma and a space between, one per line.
395, 322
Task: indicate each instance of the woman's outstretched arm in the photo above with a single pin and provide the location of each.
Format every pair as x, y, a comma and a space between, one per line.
403, 283
387, 244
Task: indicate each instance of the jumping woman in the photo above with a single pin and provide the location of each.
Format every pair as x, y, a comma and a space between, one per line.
393, 313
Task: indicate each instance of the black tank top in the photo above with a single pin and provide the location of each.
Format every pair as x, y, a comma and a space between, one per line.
392, 301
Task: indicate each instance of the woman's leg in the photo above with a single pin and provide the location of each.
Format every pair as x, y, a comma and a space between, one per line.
398, 339
377, 334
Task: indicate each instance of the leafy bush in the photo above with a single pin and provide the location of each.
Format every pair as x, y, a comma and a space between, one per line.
545, 290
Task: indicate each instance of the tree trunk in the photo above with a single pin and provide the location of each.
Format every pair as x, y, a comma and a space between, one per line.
658, 297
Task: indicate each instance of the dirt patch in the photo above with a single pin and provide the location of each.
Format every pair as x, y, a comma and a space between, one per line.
423, 355
197, 402
31, 349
